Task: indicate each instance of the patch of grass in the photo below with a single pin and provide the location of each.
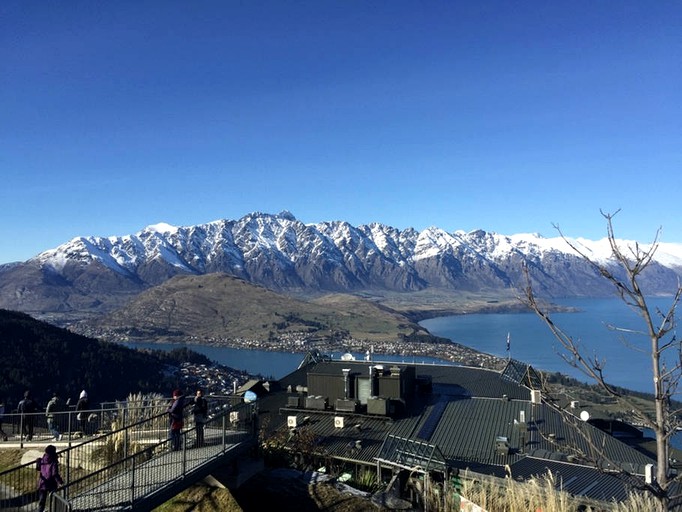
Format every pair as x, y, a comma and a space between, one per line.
201, 497
10, 458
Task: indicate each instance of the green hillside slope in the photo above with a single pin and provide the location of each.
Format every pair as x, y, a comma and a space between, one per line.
44, 358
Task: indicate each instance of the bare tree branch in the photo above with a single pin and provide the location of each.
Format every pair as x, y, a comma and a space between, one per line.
630, 260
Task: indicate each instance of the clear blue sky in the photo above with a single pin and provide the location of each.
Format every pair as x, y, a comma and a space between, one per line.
504, 116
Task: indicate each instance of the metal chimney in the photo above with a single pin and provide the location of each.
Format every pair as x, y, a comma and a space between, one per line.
346, 372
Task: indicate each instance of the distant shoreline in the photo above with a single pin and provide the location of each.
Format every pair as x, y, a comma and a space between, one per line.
490, 307
445, 349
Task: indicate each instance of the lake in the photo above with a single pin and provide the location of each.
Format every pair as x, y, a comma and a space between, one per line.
627, 364
530, 342
268, 363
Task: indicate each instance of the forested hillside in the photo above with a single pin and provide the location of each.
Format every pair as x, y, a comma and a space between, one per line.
44, 358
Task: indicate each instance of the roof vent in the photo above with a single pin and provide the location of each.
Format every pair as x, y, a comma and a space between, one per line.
502, 445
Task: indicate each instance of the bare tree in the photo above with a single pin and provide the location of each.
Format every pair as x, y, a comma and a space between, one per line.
658, 326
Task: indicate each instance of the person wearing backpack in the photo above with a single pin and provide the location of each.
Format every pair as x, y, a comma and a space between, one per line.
49, 478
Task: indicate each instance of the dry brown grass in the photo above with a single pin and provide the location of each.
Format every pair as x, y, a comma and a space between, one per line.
542, 494
201, 497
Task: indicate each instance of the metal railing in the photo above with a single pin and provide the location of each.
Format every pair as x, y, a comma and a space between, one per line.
71, 424
129, 461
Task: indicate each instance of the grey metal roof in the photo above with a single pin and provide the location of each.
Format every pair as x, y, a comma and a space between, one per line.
575, 479
360, 438
477, 419
472, 382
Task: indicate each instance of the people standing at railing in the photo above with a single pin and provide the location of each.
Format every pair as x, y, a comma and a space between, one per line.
53, 413
27, 408
176, 413
2, 415
200, 412
82, 406
49, 478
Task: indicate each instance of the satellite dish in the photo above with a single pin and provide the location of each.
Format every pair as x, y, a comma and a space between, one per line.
250, 396
584, 415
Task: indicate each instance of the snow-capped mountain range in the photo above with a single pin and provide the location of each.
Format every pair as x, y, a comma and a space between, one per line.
281, 253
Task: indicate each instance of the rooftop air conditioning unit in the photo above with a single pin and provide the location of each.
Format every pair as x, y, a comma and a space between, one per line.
338, 421
535, 396
291, 421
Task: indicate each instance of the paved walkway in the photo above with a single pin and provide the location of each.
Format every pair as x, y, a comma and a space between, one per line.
150, 483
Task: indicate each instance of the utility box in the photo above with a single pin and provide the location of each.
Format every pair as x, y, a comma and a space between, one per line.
346, 405
295, 401
377, 405
316, 402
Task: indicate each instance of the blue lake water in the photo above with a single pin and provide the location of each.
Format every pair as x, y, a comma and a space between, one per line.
267, 363
627, 364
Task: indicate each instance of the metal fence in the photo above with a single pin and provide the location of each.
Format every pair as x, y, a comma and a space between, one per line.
128, 457
70, 424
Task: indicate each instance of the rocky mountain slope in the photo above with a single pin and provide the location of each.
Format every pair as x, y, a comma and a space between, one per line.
92, 275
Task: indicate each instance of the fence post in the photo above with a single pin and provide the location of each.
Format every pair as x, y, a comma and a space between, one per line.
68, 451
183, 439
21, 431
125, 437
224, 431
132, 483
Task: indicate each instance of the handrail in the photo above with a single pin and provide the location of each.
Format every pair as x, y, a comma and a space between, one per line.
131, 449
27, 427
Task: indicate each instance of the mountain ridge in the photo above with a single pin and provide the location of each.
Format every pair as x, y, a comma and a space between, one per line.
93, 275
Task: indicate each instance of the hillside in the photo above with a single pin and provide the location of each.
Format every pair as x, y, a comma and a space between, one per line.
217, 306
44, 358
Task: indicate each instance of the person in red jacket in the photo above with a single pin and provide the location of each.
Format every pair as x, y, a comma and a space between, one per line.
49, 478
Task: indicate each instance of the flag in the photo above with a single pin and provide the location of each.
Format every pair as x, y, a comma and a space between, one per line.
508, 342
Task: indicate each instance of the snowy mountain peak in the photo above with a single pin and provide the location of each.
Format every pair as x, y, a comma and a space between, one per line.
282, 253
162, 228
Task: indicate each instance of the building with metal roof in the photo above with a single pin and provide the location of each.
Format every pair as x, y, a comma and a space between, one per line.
447, 418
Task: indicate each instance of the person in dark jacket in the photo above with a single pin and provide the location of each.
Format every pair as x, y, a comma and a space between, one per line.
200, 412
54, 418
49, 478
176, 413
27, 408
82, 407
